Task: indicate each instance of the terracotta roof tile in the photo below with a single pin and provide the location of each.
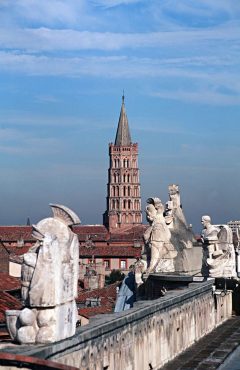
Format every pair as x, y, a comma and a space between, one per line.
98, 232
110, 251
107, 294
93, 311
7, 302
8, 233
108, 297
8, 282
18, 251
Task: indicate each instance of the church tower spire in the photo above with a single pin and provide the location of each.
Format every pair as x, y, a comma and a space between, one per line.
123, 194
123, 136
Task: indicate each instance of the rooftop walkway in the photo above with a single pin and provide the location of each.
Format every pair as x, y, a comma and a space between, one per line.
211, 351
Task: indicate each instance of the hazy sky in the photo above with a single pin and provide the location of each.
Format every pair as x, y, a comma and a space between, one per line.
63, 67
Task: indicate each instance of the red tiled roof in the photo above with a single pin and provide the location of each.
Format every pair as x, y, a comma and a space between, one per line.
7, 302
108, 297
93, 311
8, 282
107, 294
8, 233
96, 232
109, 251
90, 229
18, 251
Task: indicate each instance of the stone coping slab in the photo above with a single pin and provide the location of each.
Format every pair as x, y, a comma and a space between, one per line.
172, 277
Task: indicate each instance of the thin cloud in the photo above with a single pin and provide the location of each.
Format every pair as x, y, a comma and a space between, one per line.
45, 39
199, 97
20, 118
46, 99
98, 65
206, 86
113, 3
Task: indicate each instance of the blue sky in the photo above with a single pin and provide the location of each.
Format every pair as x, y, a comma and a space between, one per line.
63, 67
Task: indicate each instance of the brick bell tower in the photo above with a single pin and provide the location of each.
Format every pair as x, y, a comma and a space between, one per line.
123, 189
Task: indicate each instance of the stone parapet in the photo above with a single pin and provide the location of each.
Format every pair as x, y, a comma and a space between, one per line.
146, 336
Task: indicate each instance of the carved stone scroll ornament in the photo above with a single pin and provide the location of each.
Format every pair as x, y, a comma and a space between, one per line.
49, 282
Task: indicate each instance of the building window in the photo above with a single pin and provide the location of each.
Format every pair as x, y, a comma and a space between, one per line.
123, 264
106, 263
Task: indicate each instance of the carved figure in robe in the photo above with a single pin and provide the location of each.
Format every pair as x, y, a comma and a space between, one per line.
209, 235
219, 249
157, 238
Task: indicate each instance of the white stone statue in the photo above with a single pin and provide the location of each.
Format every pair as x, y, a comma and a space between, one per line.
182, 234
157, 239
188, 259
219, 252
209, 235
49, 282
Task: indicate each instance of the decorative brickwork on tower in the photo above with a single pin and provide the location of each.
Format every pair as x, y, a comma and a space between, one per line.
123, 196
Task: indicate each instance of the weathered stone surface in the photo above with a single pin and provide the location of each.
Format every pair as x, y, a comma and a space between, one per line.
188, 258
219, 252
152, 332
49, 282
157, 239
170, 242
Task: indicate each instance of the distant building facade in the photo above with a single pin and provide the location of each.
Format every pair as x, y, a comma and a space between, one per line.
123, 189
235, 226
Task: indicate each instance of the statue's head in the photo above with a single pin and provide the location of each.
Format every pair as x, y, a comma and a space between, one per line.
150, 212
173, 189
206, 220
174, 195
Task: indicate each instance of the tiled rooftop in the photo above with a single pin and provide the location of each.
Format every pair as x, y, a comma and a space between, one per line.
8, 282
108, 251
96, 232
108, 297
7, 302
107, 294
8, 233
93, 311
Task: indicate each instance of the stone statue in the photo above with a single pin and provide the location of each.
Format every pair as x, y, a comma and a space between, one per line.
209, 235
175, 219
219, 253
49, 282
157, 238
188, 258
